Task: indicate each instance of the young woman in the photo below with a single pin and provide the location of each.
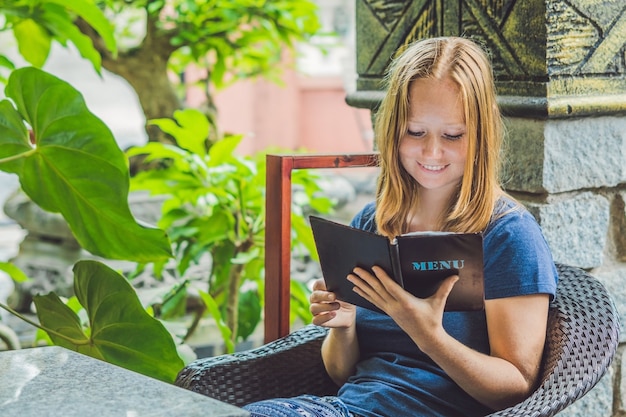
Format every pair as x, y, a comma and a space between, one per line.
439, 132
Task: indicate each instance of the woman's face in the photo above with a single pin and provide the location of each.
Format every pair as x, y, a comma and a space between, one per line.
434, 148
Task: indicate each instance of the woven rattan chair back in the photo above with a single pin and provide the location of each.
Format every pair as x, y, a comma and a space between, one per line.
582, 338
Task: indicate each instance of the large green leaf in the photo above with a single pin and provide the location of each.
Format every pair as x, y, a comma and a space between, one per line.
37, 23
63, 325
56, 19
33, 41
214, 311
223, 150
120, 331
249, 313
92, 14
13, 137
13, 271
191, 129
75, 167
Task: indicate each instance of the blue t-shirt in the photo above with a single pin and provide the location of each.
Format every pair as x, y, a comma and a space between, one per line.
393, 377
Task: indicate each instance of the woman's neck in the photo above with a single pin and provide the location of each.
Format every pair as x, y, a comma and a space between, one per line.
430, 211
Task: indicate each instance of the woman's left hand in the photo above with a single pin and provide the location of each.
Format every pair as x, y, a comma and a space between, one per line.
420, 318
516, 326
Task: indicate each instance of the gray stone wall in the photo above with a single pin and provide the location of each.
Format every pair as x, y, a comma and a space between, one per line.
571, 174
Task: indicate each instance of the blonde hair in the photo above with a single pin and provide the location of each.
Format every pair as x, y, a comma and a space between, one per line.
468, 66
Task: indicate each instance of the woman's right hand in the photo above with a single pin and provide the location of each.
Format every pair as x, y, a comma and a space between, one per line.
327, 310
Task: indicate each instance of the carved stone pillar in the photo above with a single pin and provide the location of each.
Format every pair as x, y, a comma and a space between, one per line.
552, 59
560, 68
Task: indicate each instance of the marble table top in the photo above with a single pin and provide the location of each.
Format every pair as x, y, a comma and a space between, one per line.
53, 381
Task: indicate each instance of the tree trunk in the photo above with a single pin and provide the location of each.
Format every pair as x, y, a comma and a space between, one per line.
232, 305
145, 69
146, 72
234, 282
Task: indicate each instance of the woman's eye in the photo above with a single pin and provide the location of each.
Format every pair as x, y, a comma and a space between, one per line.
454, 137
417, 134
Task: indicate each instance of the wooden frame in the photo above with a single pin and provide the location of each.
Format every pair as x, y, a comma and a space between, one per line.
278, 228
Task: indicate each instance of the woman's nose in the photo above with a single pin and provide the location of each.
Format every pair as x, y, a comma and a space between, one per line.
432, 146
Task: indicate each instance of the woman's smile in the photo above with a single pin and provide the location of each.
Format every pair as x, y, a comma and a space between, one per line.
432, 168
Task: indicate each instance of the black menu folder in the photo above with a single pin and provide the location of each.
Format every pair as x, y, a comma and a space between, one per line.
416, 261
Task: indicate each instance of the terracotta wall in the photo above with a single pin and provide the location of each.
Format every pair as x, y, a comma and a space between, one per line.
305, 112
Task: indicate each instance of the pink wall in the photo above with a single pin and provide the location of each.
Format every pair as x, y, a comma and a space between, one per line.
327, 123
304, 113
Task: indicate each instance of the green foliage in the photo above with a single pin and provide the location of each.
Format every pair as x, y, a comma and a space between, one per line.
37, 23
14, 272
216, 205
214, 311
233, 39
119, 330
68, 162
71, 164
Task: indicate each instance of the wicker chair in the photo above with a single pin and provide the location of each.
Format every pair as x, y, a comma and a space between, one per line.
582, 338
